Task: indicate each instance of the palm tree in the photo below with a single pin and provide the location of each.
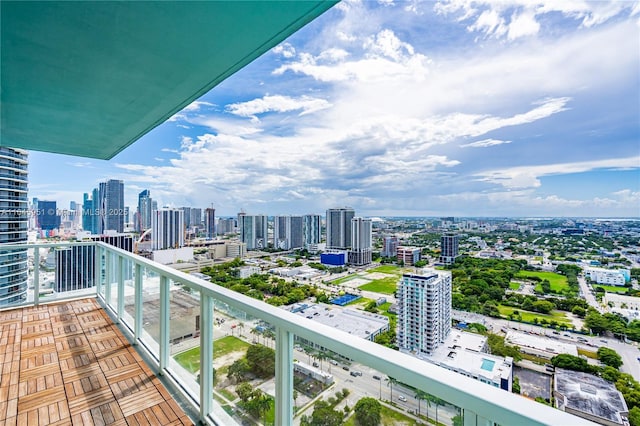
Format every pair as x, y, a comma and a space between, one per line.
240, 327
390, 383
421, 395
321, 356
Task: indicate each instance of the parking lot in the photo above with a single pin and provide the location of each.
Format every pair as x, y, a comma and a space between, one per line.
532, 383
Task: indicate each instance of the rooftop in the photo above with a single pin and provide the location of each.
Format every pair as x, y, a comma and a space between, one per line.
543, 344
68, 362
589, 394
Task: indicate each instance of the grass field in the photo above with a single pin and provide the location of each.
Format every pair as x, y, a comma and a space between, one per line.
190, 359
514, 285
388, 269
362, 301
384, 285
529, 316
558, 282
588, 354
345, 279
612, 288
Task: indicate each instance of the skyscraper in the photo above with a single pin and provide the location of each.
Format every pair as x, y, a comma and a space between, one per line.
196, 217
424, 311
14, 219
145, 208
253, 231
339, 228
311, 228
389, 246
448, 248
287, 232
75, 267
112, 205
225, 226
187, 216
48, 218
167, 229
360, 252
210, 222
91, 212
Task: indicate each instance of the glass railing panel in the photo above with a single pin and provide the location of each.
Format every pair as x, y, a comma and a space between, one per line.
61, 272
151, 311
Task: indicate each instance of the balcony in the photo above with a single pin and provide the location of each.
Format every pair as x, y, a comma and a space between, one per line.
75, 352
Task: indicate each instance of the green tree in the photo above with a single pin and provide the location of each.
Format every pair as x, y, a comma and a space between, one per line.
261, 360
244, 391
323, 415
238, 370
579, 311
543, 306
570, 362
634, 416
367, 412
516, 385
609, 357
457, 420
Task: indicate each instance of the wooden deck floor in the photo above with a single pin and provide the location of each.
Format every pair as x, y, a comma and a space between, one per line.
68, 364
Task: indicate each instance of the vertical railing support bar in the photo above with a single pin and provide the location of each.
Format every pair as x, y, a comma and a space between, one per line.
206, 355
137, 325
107, 286
284, 377
97, 268
36, 276
120, 274
164, 323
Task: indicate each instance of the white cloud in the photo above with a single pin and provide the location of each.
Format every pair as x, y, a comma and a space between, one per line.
82, 164
484, 143
492, 18
277, 103
285, 49
529, 176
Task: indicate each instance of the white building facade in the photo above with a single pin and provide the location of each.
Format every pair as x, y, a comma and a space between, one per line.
360, 253
424, 311
167, 228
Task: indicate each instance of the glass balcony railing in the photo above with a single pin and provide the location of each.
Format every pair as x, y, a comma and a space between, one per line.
194, 332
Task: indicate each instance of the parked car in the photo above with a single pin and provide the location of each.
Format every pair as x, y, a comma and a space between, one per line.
354, 373
402, 398
345, 368
333, 362
378, 377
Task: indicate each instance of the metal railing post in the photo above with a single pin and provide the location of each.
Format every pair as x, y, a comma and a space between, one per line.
108, 278
206, 355
120, 275
36, 276
284, 377
164, 323
97, 267
137, 322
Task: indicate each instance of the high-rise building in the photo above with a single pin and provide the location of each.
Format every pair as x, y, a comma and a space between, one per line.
48, 218
167, 229
210, 222
112, 205
339, 227
389, 246
226, 226
288, 232
14, 220
253, 231
91, 212
145, 209
424, 311
360, 252
187, 216
196, 218
448, 248
75, 268
311, 228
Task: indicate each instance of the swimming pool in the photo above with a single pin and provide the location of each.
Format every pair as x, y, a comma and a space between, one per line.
487, 364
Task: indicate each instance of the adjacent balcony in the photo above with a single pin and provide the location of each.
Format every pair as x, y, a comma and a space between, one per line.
131, 340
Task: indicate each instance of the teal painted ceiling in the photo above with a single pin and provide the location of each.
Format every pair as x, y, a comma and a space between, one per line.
90, 78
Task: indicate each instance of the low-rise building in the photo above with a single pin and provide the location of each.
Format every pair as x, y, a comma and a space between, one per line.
540, 346
408, 255
247, 271
589, 397
608, 276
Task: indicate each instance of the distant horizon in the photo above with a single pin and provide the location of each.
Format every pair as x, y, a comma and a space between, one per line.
499, 109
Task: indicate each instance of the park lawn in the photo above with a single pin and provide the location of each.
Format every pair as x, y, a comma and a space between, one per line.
384, 285
514, 285
558, 282
528, 316
362, 301
345, 279
228, 394
388, 269
612, 288
190, 359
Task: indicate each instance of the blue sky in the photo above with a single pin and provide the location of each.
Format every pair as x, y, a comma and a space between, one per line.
463, 108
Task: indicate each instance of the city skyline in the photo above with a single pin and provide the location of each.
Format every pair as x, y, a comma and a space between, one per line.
405, 109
